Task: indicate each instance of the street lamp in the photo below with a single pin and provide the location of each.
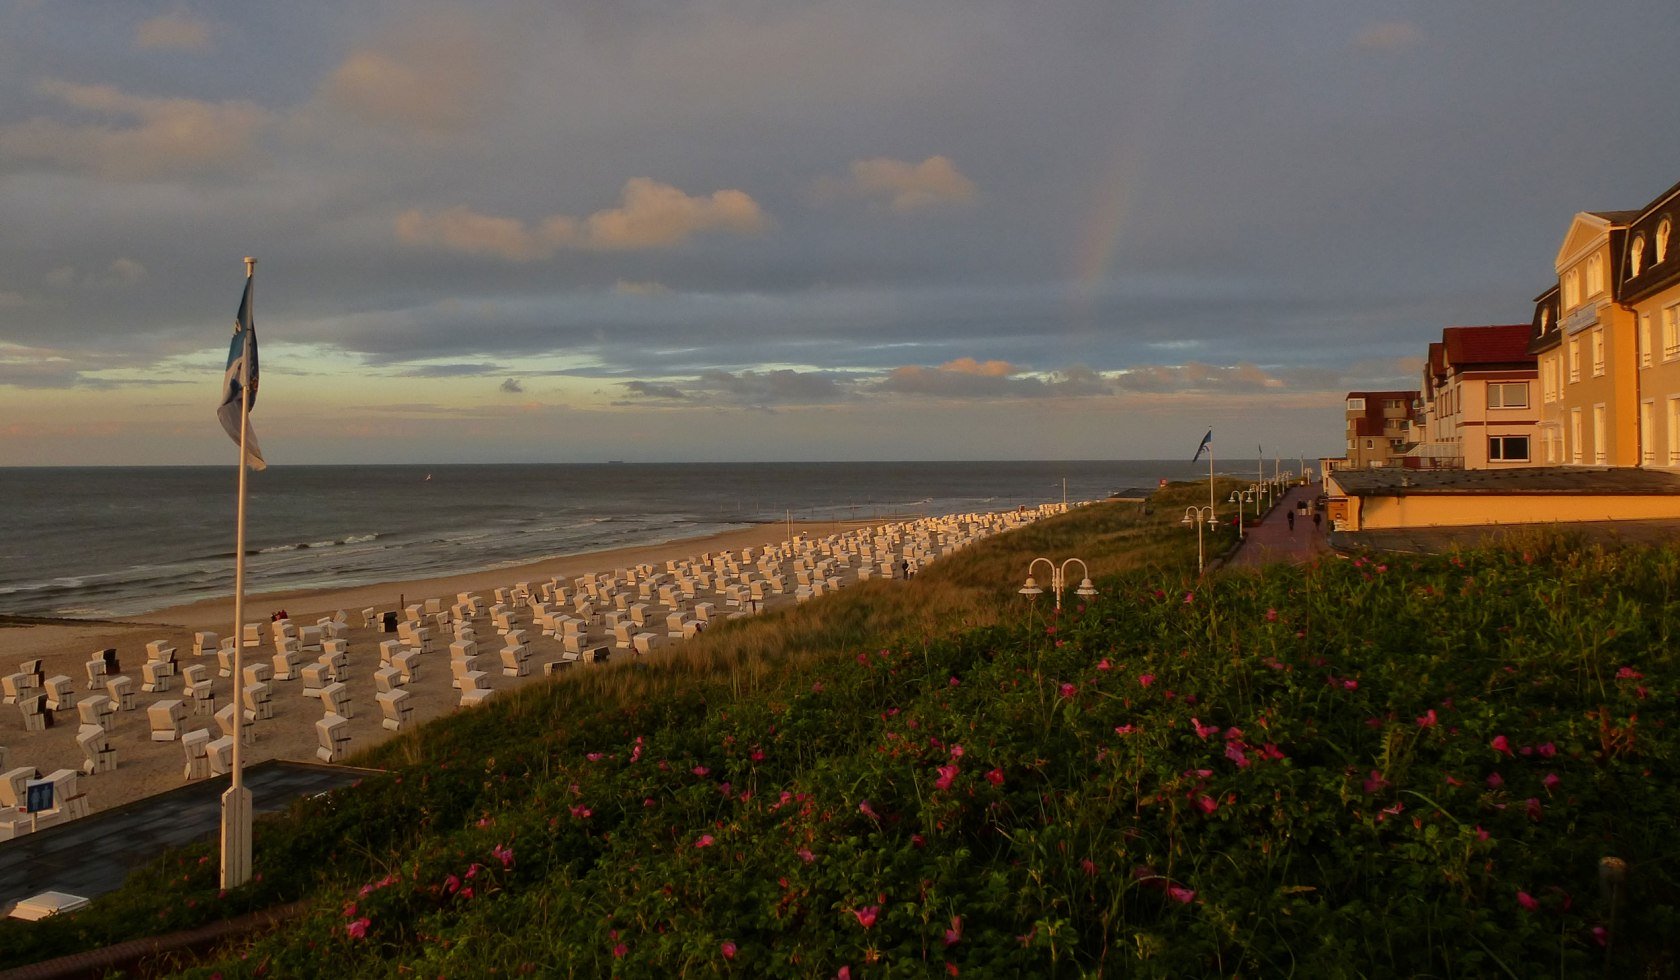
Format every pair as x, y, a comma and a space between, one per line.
1194, 515
1254, 498
1058, 580
1237, 497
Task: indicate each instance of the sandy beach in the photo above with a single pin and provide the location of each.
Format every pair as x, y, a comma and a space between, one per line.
145, 767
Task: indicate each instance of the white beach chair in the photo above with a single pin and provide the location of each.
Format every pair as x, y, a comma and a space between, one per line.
332, 734
97, 754
166, 718
395, 706
196, 746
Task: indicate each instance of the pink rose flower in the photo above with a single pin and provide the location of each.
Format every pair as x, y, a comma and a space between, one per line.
866, 915
359, 928
728, 950
1527, 901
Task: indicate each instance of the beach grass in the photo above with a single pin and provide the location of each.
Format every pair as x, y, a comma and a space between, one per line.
1451, 766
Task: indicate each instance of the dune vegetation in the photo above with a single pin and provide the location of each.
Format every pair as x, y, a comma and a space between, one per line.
1451, 766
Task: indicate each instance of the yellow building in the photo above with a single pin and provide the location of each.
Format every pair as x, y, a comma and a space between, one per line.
1649, 287
1586, 347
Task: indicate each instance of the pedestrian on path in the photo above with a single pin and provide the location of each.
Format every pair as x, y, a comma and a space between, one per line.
1318, 519
1291, 522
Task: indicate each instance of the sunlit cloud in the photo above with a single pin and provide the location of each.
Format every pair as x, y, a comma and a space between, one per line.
434, 74
966, 378
651, 215
512, 386
136, 137
176, 31
902, 186
1388, 36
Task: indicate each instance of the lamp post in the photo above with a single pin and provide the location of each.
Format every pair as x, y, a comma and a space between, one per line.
1237, 497
1058, 580
1254, 498
1194, 515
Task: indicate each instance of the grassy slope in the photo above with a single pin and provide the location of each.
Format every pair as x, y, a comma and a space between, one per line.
788, 796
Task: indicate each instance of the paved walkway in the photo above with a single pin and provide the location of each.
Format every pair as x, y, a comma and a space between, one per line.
93, 855
1273, 540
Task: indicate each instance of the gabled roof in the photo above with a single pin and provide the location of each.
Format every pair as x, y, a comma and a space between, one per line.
1465, 347
1585, 230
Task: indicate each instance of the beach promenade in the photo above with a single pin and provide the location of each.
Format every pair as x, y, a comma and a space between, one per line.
1272, 540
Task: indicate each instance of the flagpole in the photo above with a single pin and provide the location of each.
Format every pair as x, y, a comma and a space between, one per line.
236, 802
1210, 472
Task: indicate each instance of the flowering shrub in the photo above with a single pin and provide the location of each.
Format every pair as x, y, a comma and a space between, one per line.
1444, 766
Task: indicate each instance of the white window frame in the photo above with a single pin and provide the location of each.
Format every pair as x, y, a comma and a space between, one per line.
1575, 451
1671, 332
1601, 435
1647, 432
1598, 352
1644, 340
1498, 445
1499, 394
1595, 274
1674, 430
1356, 404
1574, 359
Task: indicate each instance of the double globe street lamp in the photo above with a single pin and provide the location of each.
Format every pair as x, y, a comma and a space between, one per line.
1058, 580
1195, 515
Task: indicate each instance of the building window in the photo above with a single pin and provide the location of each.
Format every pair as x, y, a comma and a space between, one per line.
1575, 360
1663, 228
1636, 256
1356, 404
1671, 332
1674, 430
1395, 403
1508, 449
1644, 340
1598, 351
1571, 289
1507, 394
1601, 452
1595, 274
1575, 436
1647, 432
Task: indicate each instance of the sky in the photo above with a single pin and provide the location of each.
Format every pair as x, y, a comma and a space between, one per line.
719, 230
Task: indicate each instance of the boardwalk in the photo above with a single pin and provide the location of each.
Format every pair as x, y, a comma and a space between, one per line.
1272, 540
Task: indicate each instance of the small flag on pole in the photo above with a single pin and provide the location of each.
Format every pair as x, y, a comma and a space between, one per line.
1207, 441
242, 370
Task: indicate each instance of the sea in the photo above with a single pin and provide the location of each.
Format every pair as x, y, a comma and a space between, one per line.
106, 542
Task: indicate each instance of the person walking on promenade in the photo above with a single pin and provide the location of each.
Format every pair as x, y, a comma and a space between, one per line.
1291, 516
1318, 519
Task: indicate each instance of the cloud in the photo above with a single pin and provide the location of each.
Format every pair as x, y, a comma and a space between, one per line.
1388, 36
512, 386
459, 370
651, 215
747, 389
966, 378
655, 215
902, 186
173, 32
988, 369
164, 137
643, 288
1196, 376
121, 272
435, 74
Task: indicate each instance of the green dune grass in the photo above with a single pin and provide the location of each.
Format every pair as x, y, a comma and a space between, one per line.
1450, 766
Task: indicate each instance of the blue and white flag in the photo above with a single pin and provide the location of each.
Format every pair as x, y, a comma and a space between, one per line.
1207, 441
242, 370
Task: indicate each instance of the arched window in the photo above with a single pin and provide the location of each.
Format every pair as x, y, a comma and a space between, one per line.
1636, 256
1663, 228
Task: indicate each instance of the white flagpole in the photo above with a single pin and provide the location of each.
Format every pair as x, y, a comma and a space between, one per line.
236, 802
1210, 475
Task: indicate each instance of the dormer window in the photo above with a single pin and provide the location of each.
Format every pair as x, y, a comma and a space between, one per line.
1545, 319
1663, 228
1636, 256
